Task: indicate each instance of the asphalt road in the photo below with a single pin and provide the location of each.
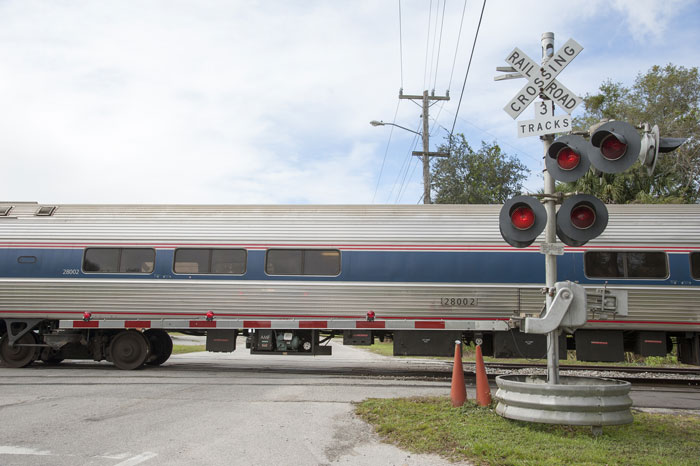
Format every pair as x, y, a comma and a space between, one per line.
198, 409
204, 408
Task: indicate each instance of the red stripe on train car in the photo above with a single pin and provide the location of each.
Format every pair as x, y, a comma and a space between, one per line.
365, 324
257, 323
313, 324
83, 324
203, 323
137, 324
651, 322
438, 325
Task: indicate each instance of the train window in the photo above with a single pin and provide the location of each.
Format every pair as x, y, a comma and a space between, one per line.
119, 260
619, 264
228, 261
137, 261
647, 265
604, 264
5, 210
284, 262
191, 261
26, 259
321, 262
695, 265
104, 260
302, 262
215, 261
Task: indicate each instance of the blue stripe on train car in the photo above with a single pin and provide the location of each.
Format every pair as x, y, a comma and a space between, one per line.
371, 266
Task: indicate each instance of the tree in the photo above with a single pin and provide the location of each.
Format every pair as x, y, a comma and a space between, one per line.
487, 176
668, 97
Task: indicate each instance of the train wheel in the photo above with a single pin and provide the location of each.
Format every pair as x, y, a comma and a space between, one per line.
161, 346
19, 356
129, 350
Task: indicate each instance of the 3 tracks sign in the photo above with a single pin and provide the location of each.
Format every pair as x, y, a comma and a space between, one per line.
541, 81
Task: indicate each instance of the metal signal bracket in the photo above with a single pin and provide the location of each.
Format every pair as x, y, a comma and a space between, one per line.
604, 302
568, 309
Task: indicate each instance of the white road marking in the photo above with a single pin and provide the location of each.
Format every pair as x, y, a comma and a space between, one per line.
138, 459
9, 450
133, 461
114, 456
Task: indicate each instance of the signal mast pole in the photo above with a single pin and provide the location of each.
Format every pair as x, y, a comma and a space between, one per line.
550, 235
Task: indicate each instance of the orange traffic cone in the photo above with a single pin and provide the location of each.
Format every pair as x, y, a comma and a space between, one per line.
483, 392
458, 393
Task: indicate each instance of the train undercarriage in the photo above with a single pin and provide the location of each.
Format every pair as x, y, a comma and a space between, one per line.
28, 340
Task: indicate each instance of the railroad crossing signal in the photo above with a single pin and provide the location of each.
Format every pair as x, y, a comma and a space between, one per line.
521, 220
580, 219
617, 146
613, 148
568, 158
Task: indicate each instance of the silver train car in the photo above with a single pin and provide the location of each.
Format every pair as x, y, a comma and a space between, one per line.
109, 281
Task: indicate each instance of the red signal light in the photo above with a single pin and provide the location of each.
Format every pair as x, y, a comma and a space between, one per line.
567, 159
522, 217
582, 216
612, 148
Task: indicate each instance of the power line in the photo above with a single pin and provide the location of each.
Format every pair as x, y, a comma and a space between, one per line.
427, 42
405, 178
437, 60
435, 36
405, 163
400, 46
410, 177
386, 151
532, 157
500, 143
468, 67
437, 117
459, 35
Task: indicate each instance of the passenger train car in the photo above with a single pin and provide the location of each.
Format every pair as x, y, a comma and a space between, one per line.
109, 281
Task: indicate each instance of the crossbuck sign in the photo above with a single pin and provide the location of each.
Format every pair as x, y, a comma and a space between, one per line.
542, 79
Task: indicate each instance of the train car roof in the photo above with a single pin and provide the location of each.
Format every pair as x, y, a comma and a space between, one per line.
658, 225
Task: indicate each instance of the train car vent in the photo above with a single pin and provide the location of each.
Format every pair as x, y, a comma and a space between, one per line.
5, 210
46, 211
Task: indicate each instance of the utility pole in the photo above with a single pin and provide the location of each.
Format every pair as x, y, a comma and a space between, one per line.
425, 153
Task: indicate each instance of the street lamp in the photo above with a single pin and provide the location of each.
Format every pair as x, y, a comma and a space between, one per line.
381, 123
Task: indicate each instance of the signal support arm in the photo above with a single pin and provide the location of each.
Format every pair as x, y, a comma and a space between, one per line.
568, 309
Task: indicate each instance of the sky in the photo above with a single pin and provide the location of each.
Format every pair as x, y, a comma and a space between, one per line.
269, 102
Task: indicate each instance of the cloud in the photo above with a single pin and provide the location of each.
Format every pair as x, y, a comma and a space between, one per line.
269, 102
649, 19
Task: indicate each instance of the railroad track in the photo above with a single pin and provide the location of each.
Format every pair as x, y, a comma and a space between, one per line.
657, 376
630, 369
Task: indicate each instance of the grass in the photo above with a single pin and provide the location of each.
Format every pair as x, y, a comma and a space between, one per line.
182, 349
432, 425
468, 355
